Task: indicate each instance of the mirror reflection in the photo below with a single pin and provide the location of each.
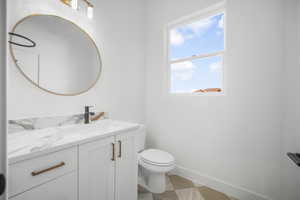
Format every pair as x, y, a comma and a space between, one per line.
55, 54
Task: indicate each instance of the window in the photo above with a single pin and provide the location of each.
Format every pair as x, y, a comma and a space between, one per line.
196, 51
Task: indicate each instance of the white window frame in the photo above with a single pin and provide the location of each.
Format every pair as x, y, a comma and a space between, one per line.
203, 14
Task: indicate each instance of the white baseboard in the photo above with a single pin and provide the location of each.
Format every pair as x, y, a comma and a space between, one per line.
227, 188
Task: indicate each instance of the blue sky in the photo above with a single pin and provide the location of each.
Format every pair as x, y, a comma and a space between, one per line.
200, 37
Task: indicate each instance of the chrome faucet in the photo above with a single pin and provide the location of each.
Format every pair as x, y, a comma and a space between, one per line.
87, 114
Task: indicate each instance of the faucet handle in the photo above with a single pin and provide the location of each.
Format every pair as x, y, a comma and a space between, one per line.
87, 114
87, 108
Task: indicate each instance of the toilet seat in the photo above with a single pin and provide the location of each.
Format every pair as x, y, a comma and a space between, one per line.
157, 158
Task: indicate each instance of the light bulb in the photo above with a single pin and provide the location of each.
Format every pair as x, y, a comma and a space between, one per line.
74, 4
90, 12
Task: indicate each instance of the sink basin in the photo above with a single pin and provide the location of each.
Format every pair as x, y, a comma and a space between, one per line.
99, 127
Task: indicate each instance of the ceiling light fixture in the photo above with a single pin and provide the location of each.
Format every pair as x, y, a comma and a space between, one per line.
74, 4
90, 9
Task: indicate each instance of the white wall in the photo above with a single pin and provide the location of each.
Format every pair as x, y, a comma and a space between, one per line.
234, 138
291, 128
118, 29
2, 88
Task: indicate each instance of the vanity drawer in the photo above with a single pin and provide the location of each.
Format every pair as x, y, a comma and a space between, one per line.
30, 173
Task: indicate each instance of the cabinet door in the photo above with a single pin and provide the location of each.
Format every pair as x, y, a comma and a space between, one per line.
62, 188
96, 170
126, 167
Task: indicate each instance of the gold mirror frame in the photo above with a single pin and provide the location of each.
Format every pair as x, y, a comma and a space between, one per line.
44, 89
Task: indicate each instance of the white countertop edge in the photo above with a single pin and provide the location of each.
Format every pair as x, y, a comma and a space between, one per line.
23, 157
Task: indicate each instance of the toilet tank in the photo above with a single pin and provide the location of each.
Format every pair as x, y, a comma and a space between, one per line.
141, 138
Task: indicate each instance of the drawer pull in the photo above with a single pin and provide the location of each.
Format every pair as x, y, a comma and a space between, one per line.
35, 173
120, 149
113, 152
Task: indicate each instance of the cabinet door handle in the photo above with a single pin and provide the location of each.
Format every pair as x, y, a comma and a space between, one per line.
120, 149
35, 173
113, 151
2, 184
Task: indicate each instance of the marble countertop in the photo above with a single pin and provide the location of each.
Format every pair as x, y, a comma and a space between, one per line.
28, 144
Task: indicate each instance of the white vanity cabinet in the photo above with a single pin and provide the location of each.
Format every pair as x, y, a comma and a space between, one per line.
108, 169
104, 168
126, 167
97, 170
62, 188
34, 172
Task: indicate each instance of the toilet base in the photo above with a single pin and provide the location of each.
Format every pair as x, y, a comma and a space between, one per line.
153, 182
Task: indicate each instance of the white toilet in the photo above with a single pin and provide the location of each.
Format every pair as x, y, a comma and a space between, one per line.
153, 166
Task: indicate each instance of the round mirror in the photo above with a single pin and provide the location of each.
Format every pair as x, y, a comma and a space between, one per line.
55, 54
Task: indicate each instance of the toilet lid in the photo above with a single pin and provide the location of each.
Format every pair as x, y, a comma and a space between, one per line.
157, 157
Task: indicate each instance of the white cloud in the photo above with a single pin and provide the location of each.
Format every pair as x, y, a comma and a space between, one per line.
193, 90
201, 26
184, 76
216, 67
178, 91
176, 38
183, 66
189, 31
183, 71
221, 22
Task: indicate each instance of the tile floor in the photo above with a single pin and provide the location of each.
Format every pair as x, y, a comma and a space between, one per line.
179, 188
